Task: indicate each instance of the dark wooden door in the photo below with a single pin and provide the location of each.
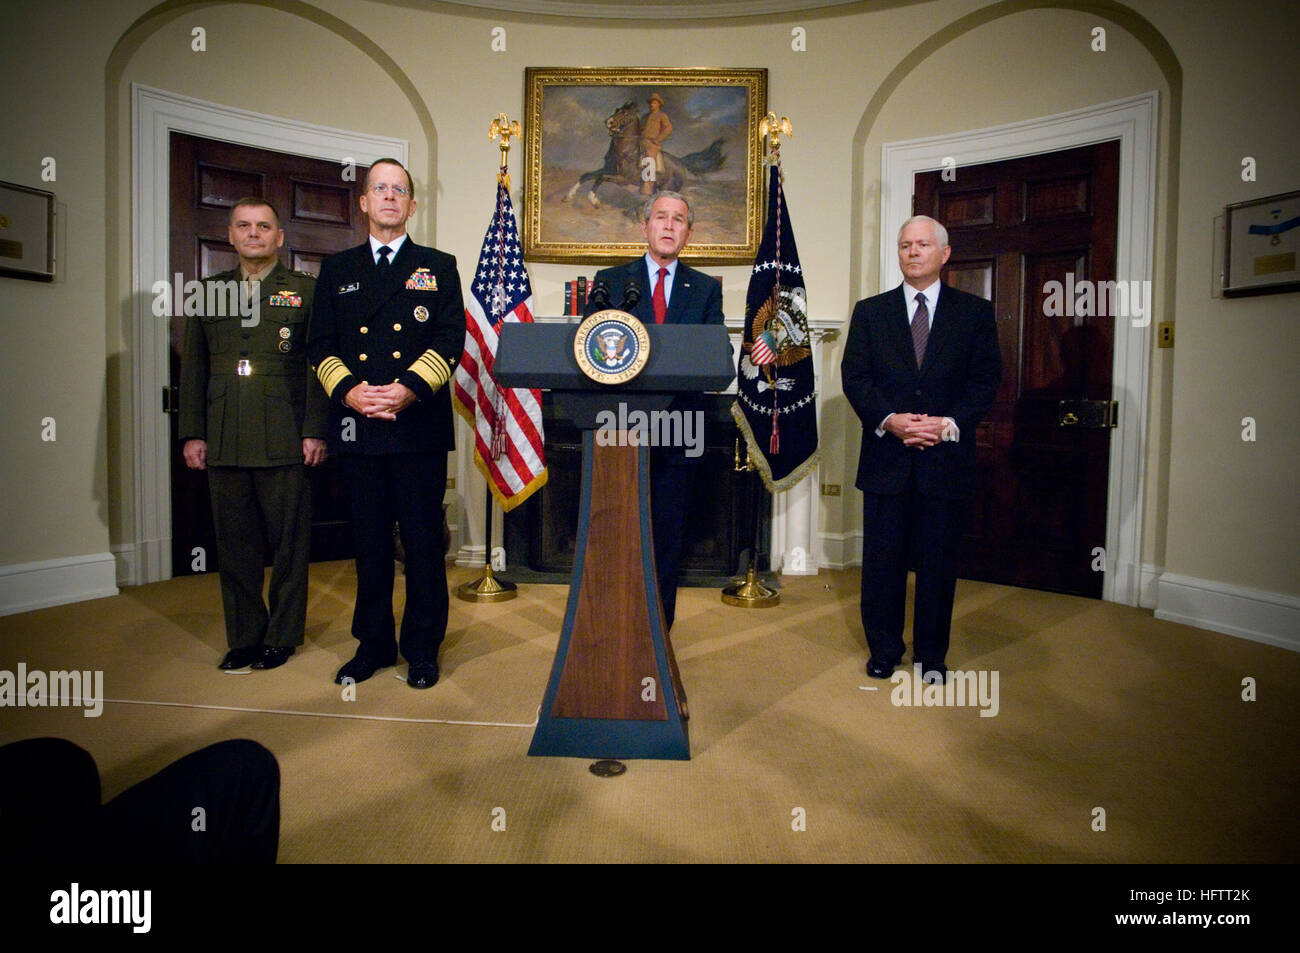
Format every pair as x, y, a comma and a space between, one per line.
320, 215
1014, 227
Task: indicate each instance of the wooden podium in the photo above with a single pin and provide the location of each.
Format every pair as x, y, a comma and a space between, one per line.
614, 690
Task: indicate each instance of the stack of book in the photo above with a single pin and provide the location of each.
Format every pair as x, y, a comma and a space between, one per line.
576, 293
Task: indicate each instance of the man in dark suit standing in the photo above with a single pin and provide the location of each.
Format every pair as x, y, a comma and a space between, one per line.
251, 415
671, 293
921, 368
387, 327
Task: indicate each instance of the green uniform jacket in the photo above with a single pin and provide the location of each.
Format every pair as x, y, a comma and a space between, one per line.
247, 391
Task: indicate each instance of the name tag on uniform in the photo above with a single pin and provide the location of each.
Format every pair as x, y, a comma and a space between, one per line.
421, 280
344, 289
285, 299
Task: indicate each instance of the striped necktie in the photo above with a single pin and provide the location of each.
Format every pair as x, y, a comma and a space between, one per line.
920, 328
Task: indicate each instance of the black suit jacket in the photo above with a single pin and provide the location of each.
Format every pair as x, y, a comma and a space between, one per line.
696, 298
409, 327
958, 379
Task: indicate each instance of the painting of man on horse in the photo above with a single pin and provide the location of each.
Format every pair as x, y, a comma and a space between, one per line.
636, 157
603, 141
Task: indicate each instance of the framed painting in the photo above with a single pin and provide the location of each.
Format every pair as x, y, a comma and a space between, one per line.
1263, 239
26, 232
601, 142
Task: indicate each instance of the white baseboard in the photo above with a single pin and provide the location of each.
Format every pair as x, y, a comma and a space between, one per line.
28, 586
1148, 579
468, 554
1268, 617
127, 561
841, 550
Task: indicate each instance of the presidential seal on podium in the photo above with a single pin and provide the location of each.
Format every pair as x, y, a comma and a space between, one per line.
611, 346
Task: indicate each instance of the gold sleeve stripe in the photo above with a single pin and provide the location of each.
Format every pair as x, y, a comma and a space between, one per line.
331, 371
432, 369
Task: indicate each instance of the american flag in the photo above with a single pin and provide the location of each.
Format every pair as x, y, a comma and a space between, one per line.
508, 441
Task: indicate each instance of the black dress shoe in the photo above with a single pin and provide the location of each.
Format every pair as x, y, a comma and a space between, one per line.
879, 669
240, 657
934, 674
359, 669
422, 675
273, 656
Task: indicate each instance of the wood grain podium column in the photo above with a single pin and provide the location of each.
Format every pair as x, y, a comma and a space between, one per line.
614, 690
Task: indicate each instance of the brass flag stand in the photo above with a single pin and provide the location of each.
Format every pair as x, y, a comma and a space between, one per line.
751, 594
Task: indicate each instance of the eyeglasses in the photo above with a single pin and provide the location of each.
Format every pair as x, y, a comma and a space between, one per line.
382, 188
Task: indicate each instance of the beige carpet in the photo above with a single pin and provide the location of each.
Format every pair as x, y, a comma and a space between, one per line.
1099, 706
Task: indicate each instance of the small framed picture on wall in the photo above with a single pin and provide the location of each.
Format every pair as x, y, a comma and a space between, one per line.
26, 232
1262, 246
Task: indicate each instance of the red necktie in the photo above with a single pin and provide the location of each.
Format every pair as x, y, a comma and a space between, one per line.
660, 302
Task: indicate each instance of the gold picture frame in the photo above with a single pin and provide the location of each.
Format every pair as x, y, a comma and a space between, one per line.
586, 161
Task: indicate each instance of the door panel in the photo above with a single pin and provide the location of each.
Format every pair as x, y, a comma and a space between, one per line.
1015, 226
320, 215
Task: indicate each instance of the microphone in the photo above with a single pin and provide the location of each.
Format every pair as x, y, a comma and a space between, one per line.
631, 295
599, 298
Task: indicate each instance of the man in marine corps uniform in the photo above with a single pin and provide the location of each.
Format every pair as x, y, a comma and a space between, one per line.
387, 326
252, 416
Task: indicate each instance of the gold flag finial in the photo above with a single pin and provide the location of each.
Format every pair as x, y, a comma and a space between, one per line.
505, 129
771, 129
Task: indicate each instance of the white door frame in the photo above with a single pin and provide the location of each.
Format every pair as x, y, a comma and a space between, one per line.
1133, 121
147, 556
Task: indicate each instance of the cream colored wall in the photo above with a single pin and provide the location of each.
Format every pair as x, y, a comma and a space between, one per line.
1233, 515
1233, 357
1045, 65
54, 496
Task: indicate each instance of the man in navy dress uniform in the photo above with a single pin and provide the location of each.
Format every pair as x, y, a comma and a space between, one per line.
387, 327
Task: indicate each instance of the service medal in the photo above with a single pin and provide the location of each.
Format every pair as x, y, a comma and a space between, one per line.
421, 280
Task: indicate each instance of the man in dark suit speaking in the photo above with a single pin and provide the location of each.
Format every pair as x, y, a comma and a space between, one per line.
671, 293
921, 368
387, 327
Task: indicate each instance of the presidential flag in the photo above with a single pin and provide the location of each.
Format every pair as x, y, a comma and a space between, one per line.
508, 441
776, 406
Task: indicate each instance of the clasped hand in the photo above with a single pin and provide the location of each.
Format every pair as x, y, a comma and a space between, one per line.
916, 430
382, 402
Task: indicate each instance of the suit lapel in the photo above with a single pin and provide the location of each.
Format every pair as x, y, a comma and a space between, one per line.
901, 332
637, 271
682, 291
